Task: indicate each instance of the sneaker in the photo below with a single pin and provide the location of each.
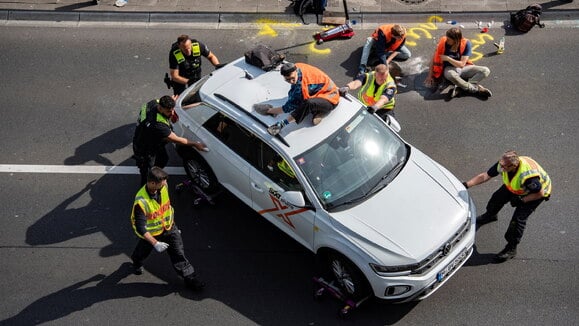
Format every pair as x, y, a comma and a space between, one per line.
194, 284
362, 69
508, 253
137, 270
455, 91
274, 129
317, 119
484, 91
486, 218
120, 3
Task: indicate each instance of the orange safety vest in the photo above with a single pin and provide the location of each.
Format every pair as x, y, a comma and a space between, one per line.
387, 31
437, 64
312, 75
159, 216
528, 168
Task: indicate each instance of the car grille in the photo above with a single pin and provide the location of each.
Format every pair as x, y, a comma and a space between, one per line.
444, 250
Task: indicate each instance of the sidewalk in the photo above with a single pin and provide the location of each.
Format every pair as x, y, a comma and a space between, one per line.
239, 11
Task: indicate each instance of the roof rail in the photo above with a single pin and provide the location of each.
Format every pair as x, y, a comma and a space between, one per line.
254, 118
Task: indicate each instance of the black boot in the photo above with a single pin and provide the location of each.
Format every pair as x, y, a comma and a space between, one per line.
509, 252
486, 218
194, 283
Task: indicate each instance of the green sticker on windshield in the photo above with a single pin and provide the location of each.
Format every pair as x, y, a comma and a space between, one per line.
327, 194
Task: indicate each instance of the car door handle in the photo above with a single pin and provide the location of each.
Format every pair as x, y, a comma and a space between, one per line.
256, 187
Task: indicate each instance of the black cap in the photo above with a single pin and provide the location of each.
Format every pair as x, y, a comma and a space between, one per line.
287, 68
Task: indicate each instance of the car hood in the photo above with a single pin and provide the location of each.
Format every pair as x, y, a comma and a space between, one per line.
411, 217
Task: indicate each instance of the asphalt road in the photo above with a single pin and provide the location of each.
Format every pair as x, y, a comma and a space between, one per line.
71, 95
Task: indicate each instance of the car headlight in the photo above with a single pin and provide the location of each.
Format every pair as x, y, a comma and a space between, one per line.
397, 270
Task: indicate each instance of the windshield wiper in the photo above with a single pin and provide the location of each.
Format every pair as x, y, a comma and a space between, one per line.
379, 186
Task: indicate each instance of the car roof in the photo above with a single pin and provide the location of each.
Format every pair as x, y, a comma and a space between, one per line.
235, 87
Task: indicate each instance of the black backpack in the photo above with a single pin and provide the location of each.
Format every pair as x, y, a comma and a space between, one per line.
302, 7
263, 57
524, 19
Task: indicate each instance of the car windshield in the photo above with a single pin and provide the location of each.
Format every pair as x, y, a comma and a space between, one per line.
354, 163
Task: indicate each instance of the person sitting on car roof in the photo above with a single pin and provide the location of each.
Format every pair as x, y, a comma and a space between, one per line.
312, 91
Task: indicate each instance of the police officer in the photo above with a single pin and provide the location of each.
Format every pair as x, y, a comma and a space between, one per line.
153, 132
525, 185
377, 90
153, 222
185, 62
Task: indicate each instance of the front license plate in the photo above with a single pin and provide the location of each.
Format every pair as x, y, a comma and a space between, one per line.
453, 265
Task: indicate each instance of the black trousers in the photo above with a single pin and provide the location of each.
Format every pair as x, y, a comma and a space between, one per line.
176, 252
146, 161
518, 222
313, 106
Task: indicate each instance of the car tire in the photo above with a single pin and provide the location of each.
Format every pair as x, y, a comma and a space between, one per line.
201, 174
348, 277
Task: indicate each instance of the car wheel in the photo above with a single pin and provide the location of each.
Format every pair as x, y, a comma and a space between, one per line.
201, 175
349, 278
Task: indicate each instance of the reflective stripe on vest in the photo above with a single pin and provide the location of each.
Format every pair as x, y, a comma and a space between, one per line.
147, 107
387, 31
159, 216
369, 96
528, 168
195, 51
284, 167
311, 76
437, 64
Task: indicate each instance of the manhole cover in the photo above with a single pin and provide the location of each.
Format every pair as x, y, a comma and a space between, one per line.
412, 2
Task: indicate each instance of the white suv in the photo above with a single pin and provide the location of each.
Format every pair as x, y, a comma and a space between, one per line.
382, 217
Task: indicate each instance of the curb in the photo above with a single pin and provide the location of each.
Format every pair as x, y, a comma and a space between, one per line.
212, 19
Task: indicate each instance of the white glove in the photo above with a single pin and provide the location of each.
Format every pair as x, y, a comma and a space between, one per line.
161, 246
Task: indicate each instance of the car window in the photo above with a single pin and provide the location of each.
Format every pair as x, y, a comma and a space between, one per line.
277, 169
236, 137
353, 163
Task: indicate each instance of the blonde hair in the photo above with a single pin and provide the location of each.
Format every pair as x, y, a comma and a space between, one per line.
510, 157
381, 68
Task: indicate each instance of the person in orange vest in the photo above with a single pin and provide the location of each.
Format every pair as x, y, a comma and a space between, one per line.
451, 61
311, 91
153, 222
377, 90
525, 185
388, 42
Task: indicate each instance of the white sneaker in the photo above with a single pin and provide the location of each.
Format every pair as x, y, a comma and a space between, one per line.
120, 3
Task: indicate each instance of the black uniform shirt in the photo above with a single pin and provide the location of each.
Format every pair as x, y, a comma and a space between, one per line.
186, 67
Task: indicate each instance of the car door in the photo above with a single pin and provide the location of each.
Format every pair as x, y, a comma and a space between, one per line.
229, 146
269, 178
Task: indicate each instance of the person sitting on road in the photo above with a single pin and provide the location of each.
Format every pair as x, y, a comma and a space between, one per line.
389, 43
311, 91
377, 92
451, 60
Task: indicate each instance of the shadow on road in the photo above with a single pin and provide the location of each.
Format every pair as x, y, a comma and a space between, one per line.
247, 263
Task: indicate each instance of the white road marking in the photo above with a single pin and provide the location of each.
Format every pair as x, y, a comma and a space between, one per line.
81, 169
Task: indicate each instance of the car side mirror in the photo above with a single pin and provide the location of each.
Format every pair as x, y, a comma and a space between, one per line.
294, 198
393, 123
